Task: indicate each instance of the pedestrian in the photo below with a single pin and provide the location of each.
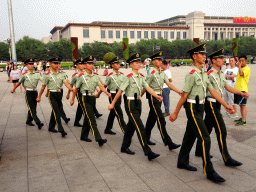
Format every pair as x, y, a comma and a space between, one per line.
15, 76
194, 92
132, 86
87, 82
241, 84
54, 82
227, 62
155, 80
30, 79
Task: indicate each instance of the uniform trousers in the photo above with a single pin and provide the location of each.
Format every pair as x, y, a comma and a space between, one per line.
133, 110
79, 110
62, 112
196, 128
32, 103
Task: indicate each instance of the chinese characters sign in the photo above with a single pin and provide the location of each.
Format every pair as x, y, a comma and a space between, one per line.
244, 20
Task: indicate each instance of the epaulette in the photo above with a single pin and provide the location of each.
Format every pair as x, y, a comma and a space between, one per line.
36, 71
192, 71
80, 74
24, 73
110, 73
48, 73
129, 75
153, 71
95, 73
74, 74
142, 75
121, 73
209, 72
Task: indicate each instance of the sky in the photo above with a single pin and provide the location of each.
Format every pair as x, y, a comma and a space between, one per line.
36, 18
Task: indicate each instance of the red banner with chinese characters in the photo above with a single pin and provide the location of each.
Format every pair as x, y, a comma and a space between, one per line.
244, 20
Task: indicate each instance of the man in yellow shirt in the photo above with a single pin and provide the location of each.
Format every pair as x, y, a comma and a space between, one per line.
241, 84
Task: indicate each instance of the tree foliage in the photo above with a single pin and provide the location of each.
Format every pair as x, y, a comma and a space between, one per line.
4, 51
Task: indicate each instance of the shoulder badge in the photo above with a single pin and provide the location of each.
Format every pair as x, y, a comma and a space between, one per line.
74, 74
24, 73
81, 74
153, 72
110, 73
209, 72
48, 73
129, 75
121, 73
142, 75
95, 73
192, 71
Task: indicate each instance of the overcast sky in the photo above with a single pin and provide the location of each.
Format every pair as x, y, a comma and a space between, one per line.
36, 18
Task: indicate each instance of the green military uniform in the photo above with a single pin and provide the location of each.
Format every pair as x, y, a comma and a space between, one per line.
113, 82
132, 86
79, 110
54, 82
213, 117
62, 112
87, 85
196, 84
30, 81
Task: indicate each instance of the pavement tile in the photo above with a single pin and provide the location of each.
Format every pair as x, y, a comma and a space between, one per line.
92, 186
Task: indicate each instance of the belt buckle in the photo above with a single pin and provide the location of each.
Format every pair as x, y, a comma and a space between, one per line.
203, 101
58, 90
91, 94
34, 89
138, 97
161, 92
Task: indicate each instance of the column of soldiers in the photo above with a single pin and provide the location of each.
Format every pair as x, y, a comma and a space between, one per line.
202, 92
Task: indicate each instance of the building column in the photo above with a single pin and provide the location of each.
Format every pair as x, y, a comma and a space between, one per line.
218, 34
211, 33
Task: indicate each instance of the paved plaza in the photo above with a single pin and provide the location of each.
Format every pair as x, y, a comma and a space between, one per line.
36, 160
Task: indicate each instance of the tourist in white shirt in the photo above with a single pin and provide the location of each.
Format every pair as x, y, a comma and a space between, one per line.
15, 76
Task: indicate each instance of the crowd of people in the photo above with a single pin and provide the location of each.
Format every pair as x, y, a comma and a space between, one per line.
202, 93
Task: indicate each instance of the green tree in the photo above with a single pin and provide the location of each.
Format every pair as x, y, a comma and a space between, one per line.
4, 51
61, 49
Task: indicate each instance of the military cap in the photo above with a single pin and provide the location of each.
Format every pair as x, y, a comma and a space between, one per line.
55, 60
114, 60
29, 61
79, 61
217, 54
198, 49
157, 56
88, 59
134, 57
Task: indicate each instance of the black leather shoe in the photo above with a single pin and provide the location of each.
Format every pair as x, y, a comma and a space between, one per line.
30, 123
53, 130
102, 141
40, 125
152, 155
78, 125
150, 143
67, 120
98, 115
233, 163
63, 133
215, 177
187, 167
173, 146
110, 132
200, 155
85, 139
127, 150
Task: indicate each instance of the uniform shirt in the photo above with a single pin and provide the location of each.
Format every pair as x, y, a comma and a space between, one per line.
92, 81
194, 86
74, 78
34, 78
221, 81
130, 87
242, 81
119, 78
152, 82
58, 77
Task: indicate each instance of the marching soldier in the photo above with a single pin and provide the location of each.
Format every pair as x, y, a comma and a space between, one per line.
30, 80
113, 82
155, 80
87, 83
80, 66
194, 92
213, 116
133, 85
54, 81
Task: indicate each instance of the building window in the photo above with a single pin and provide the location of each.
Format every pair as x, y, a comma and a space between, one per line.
178, 34
132, 34
102, 33
152, 34
184, 35
118, 34
124, 34
209, 29
138, 34
145, 34
237, 35
86, 43
132, 44
110, 34
215, 36
166, 34
172, 34
159, 34
222, 36
86, 32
